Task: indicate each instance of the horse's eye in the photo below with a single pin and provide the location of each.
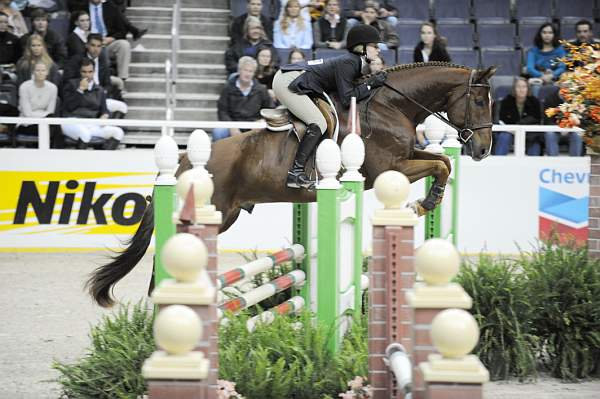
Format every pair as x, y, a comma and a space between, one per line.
479, 102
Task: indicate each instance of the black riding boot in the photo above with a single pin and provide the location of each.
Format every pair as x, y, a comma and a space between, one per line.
296, 177
81, 145
111, 144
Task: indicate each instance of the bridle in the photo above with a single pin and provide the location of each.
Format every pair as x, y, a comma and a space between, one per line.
467, 131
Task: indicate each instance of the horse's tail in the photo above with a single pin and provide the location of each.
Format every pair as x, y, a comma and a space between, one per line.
104, 277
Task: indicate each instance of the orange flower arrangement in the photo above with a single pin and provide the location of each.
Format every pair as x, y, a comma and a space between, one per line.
580, 90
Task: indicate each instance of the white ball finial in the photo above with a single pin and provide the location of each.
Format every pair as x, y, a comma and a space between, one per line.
198, 149
184, 256
353, 156
435, 130
329, 162
203, 186
454, 332
177, 329
437, 261
167, 158
392, 189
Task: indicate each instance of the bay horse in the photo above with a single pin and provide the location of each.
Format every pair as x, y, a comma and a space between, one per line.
251, 168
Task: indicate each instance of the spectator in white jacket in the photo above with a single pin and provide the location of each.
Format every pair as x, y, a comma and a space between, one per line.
292, 29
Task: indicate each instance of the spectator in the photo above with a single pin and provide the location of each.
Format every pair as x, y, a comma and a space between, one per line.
49, 6
19, 4
431, 47
309, 9
389, 38
107, 20
292, 29
585, 34
552, 138
266, 68
296, 55
54, 43
384, 9
16, 22
254, 37
85, 99
77, 39
35, 51
102, 77
331, 29
10, 47
242, 99
37, 99
254, 8
377, 65
519, 108
543, 66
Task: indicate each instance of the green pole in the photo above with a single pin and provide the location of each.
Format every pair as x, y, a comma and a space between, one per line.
301, 235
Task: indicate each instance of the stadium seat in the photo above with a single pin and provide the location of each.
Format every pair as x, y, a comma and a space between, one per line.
459, 36
527, 34
238, 7
508, 62
405, 56
574, 8
452, 11
492, 10
412, 11
389, 57
468, 58
409, 36
496, 35
60, 24
327, 53
533, 11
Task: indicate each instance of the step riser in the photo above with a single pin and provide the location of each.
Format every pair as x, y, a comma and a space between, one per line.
179, 115
184, 3
144, 70
200, 58
164, 28
199, 42
164, 13
189, 88
160, 102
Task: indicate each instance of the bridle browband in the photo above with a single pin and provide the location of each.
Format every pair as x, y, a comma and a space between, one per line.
466, 132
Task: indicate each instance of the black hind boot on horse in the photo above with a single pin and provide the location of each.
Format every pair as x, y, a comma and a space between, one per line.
296, 177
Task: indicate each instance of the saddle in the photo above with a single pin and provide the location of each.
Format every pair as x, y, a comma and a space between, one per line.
280, 119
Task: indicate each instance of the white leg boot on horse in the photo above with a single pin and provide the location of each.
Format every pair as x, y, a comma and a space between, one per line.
296, 177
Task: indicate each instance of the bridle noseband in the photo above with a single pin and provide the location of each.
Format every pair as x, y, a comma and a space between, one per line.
467, 131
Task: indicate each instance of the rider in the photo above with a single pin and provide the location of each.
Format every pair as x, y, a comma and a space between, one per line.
295, 84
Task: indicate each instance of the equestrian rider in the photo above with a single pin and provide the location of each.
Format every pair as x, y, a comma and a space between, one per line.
295, 84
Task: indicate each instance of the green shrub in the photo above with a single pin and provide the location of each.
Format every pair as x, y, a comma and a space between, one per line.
289, 358
503, 311
564, 286
112, 366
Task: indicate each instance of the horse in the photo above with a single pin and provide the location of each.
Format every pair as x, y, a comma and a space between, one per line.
251, 168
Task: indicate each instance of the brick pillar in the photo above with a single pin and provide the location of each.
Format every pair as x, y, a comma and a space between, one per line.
594, 213
391, 275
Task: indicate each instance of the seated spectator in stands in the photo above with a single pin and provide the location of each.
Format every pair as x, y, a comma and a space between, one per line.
102, 77
37, 99
384, 8
16, 22
242, 99
10, 50
552, 138
254, 8
377, 65
77, 39
54, 43
48, 6
111, 23
584, 33
542, 59
84, 99
431, 47
35, 51
266, 68
19, 4
295, 56
292, 29
311, 10
331, 29
519, 108
254, 37
389, 37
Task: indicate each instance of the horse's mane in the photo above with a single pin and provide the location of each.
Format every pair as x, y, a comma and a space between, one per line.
415, 65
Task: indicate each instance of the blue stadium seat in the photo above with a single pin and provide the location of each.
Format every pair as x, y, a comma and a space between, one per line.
409, 35
468, 58
412, 11
452, 11
533, 10
492, 10
60, 24
574, 8
238, 7
496, 35
327, 53
459, 36
527, 34
389, 57
405, 56
508, 62
283, 54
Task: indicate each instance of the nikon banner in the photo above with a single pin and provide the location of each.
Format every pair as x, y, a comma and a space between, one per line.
72, 200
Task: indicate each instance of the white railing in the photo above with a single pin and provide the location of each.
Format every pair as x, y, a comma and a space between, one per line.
44, 125
519, 132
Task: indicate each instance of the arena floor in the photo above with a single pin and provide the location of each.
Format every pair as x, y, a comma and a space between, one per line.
45, 315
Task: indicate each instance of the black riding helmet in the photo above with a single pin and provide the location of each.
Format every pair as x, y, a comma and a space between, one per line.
361, 34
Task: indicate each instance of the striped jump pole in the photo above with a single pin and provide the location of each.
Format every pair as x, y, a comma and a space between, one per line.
294, 253
293, 305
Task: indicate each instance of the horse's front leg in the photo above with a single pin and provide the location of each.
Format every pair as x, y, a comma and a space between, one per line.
416, 169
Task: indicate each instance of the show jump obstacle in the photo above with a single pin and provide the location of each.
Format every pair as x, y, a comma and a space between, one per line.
417, 347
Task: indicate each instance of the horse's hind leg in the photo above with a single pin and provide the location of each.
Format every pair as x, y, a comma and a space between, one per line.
416, 169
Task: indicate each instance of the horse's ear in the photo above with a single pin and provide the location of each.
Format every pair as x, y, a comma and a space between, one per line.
485, 74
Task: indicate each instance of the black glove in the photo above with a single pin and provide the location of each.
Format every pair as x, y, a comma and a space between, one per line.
377, 80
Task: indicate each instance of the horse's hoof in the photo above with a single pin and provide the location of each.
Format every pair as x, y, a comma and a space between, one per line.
417, 208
